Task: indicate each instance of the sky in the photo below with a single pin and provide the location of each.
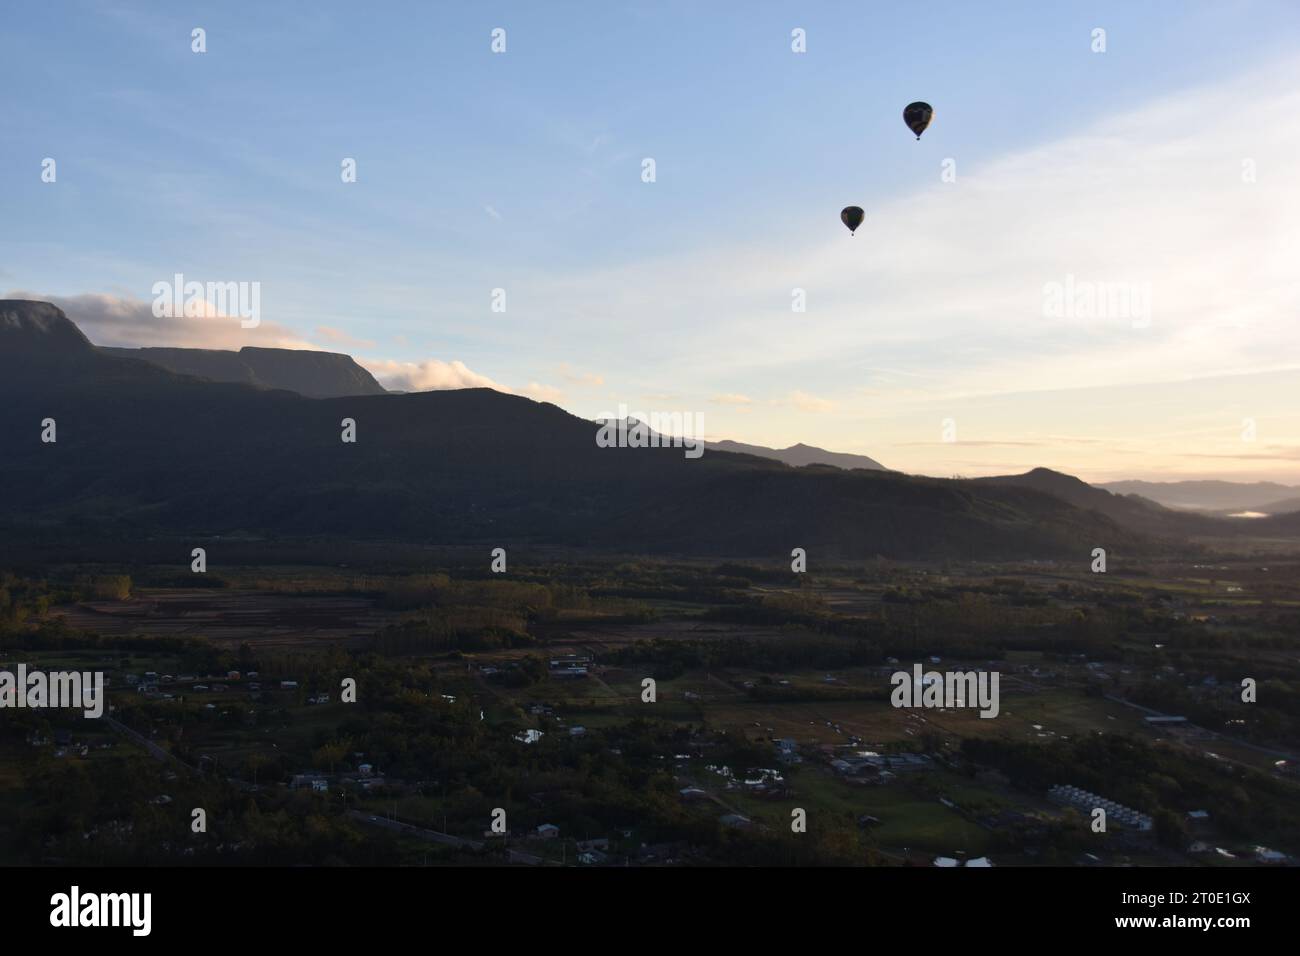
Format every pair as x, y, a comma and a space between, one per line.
1088, 262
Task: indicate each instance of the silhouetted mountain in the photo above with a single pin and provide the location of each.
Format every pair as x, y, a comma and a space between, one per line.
799, 455
310, 373
1212, 496
40, 346
145, 452
38, 328
1129, 511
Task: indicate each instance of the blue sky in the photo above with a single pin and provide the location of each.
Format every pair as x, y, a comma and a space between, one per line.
522, 171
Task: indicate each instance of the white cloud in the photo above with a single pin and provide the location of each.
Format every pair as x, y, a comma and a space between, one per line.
429, 375
130, 323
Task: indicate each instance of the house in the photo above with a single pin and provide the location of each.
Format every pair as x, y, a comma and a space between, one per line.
577, 731
592, 857
366, 769
691, 793
1264, 855
548, 831
288, 685
736, 821
946, 862
319, 785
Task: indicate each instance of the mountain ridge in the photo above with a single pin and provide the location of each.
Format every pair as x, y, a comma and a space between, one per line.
309, 372
144, 452
800, 455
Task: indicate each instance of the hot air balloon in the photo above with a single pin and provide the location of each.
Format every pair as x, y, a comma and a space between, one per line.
852, 217
917, 116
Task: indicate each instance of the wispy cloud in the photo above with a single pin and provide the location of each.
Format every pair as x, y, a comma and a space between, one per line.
335, 336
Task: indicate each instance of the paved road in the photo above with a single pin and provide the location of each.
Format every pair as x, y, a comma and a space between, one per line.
154, 750
435, 836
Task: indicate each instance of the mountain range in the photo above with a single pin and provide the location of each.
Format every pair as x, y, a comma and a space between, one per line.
146, 451
1215, 497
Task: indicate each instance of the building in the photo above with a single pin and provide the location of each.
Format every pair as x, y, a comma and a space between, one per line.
570, 665
787, 750
1087, 802
548, 831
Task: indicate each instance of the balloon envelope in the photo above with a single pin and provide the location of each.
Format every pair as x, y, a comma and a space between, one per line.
917, 116
852, 217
